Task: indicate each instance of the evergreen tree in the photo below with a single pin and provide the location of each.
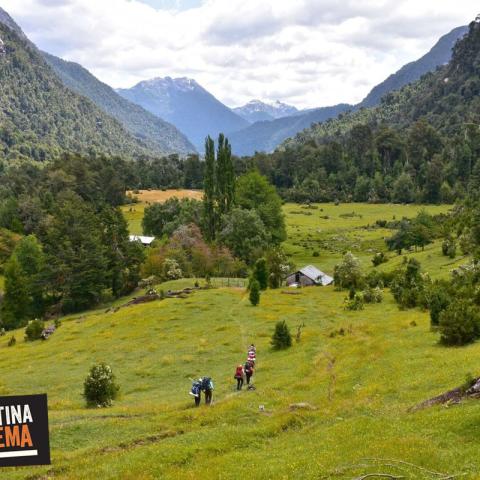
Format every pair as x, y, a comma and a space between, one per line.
282, 337
221, 175
31, 260
209, 190
16, 304
254, 293
260, 273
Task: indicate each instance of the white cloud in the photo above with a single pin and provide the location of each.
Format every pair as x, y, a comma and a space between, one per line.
306, 52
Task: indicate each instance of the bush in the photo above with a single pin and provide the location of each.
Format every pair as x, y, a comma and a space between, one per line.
449, 248
459, 324
348, 273
12, 342
281, 338
254, 292
372, 295
99, 388
34, 330
355, 303
439, 300
379, 258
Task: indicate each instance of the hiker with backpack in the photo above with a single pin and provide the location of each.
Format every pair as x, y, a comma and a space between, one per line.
248, 369
196, 390
239, 373
207, 387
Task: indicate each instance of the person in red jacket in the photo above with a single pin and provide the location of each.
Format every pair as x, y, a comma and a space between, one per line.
239, 373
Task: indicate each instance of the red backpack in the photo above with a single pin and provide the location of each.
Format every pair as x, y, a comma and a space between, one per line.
239, 372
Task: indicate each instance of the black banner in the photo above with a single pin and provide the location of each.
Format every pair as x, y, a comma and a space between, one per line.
24, 431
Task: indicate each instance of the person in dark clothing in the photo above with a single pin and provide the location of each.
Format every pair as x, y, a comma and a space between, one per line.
248, 371
239, 377
207, 387
196, 391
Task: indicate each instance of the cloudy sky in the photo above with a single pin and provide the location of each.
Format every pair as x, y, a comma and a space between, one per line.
308, 53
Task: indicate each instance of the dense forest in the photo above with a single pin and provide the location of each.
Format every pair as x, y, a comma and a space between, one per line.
41, 118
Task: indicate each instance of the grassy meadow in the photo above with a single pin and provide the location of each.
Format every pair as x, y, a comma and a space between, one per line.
357, 372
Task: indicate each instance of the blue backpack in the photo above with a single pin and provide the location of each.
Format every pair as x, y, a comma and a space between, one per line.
207, 383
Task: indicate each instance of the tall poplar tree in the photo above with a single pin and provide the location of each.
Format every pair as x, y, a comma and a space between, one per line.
209, 190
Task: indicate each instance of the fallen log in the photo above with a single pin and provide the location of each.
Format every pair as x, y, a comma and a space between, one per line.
453, 396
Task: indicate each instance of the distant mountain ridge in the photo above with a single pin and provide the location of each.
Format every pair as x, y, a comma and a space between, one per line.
266, 136
439, 55
187, 105
159, 135
257, 111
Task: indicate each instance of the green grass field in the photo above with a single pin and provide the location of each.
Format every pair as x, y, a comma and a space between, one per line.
359, 371
329, 231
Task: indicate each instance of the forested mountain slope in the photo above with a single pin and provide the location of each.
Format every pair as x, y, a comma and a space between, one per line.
422, 144
439, 55
160, 136
40, 117
266, 136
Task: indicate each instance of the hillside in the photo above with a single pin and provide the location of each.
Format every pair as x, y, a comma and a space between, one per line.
187, 105
266, 136
446, 99
158, 135
342, 369
439, 55
40, 117
258, 111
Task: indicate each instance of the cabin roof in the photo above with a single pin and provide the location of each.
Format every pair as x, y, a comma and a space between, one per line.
316, 275
142, 239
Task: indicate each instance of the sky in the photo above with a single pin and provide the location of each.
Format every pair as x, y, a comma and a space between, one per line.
308, 53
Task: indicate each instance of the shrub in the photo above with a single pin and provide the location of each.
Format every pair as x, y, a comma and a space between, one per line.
12, 342
439, 300
281, 338
379, 258
99, 388
355, 303
372, 295
449, 248
348, 273
408, 285
171, 269
459, 324
34, 330
316, 254
254, 292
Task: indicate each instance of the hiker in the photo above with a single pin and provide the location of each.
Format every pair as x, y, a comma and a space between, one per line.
207, 387
252, 348
248, 371
252, 358
239, 377
196, 390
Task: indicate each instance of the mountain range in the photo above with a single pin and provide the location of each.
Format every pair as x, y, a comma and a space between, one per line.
50, 105
186, 104
258, 111
42, 114
266, 136
157, 134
